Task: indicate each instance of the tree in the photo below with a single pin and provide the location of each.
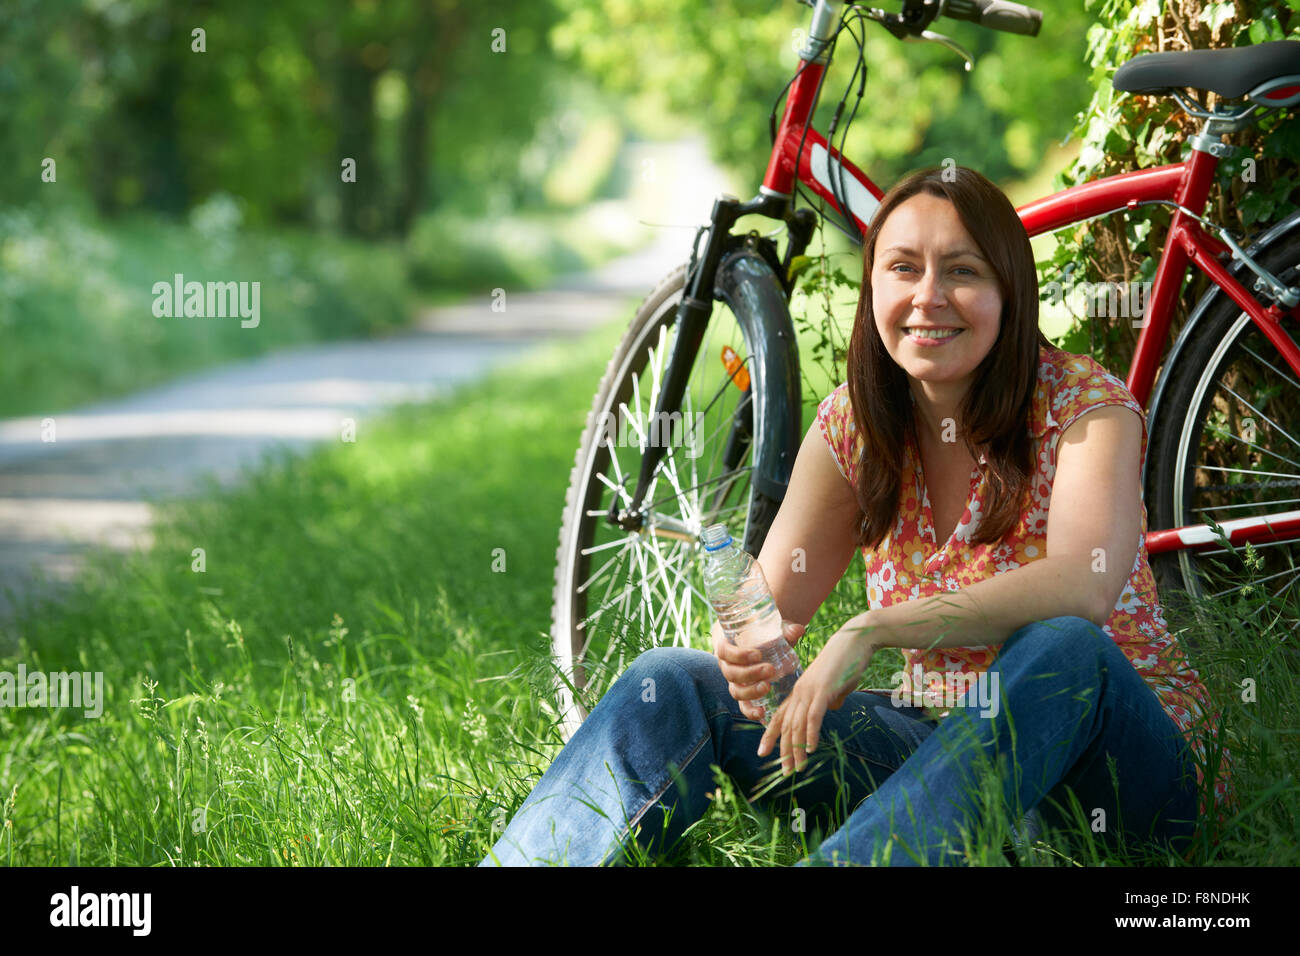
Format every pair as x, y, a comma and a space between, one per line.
720, 64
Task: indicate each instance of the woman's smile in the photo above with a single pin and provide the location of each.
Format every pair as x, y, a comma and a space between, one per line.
930, 337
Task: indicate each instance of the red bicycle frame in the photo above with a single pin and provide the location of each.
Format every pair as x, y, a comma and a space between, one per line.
803, 153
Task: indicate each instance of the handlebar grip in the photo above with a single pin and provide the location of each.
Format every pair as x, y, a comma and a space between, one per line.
997, 15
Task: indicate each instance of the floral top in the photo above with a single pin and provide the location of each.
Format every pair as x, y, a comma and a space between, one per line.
909, 564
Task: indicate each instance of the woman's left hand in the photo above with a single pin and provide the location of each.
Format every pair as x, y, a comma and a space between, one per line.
826, 684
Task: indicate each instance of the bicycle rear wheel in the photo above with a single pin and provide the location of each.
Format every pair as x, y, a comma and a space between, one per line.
1228, 447
618, 593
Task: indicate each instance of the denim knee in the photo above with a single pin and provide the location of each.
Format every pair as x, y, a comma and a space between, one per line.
1075, 635
657, 661
684, 667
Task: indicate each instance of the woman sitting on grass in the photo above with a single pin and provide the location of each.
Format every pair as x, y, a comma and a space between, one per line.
992, 484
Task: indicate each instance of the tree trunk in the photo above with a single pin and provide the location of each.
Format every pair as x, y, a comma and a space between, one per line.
432, 41
361, 205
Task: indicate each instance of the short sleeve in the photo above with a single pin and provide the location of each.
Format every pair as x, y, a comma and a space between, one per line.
835, 416
1086, 386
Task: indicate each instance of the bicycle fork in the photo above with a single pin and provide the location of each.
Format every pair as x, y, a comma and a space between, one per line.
693, 314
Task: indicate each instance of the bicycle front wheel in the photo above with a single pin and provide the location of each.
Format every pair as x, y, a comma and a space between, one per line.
1229, 447
619, 592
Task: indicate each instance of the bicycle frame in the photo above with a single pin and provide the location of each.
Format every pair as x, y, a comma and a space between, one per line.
801, 153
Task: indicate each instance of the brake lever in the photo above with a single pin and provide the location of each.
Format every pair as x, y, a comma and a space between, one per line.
950, 43
896, 25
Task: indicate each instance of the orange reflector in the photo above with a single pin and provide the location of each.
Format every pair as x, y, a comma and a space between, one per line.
735, 368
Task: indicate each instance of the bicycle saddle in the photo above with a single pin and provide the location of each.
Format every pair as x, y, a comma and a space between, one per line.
1230, 73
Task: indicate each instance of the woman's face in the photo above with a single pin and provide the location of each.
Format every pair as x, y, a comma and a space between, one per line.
929, 274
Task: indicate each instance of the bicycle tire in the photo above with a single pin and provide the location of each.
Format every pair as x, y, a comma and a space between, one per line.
591, 648
1229, 385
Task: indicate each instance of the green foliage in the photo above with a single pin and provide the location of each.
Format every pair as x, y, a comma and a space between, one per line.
76, 300
456, 253
720, 64
116, 93
1122, 132
820, 319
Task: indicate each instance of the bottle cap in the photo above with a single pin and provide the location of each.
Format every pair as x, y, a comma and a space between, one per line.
715, 537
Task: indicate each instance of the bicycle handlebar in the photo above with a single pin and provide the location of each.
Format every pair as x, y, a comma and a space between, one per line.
996, 15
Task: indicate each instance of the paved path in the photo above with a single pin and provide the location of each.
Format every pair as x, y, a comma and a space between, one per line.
94, 484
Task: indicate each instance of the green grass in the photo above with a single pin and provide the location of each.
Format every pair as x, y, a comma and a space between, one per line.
349, 682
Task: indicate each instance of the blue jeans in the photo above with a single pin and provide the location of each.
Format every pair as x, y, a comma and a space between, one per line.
911, 790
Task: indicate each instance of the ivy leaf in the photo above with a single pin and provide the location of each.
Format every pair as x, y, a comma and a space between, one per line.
1076, 340
1147, 11
1254, 206
1260, 204
1216, 13
1137, 232
1265, 29
1285, 141
1117, 139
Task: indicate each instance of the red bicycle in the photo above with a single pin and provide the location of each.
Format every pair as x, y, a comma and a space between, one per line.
699, 415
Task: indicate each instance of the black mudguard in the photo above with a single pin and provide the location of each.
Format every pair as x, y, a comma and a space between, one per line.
748, 284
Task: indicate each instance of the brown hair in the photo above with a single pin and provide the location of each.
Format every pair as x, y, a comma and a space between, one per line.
995, 412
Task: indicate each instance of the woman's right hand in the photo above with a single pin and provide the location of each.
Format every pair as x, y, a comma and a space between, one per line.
745, 670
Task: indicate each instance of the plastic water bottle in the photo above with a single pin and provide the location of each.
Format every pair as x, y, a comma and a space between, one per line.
738, 593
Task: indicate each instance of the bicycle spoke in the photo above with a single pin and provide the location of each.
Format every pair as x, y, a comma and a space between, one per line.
722, 477
592, 618
1256, 581
622, 481
714, 461
606, 601
1257, 545
644, 578
1248, 471
669, 590
728, 423
1260, 448
602, 547
1269, 365
729, 380
587, 583
670, 472
617, 489
1288, 584
688, 435
1228, 389
622, 600
1245, 504
662, 619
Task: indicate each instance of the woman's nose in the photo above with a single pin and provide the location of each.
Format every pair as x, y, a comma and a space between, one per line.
929, 289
